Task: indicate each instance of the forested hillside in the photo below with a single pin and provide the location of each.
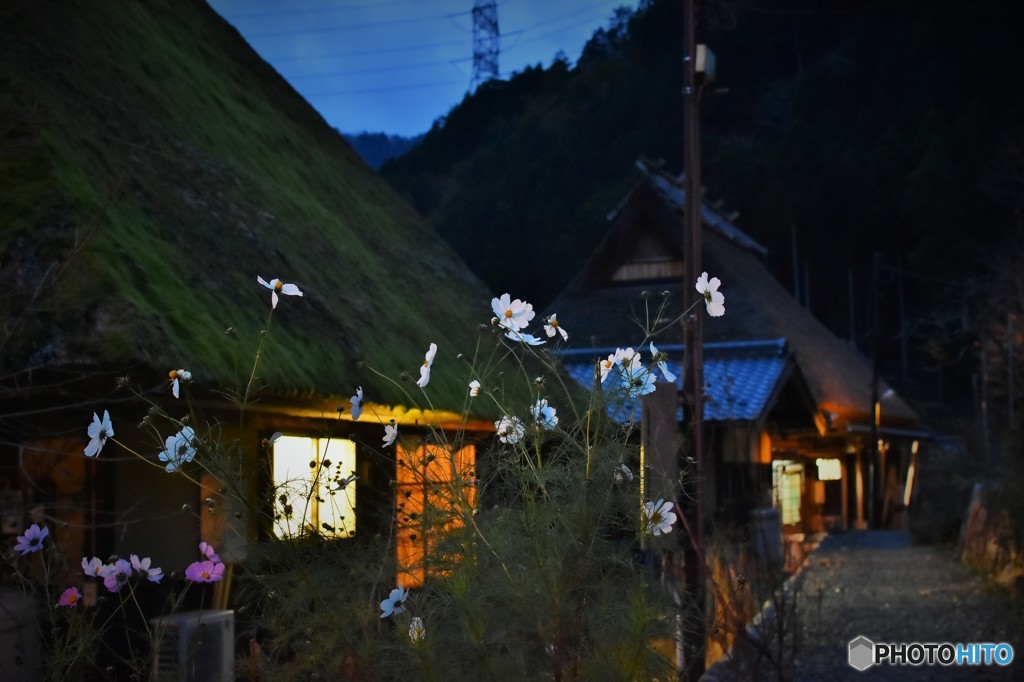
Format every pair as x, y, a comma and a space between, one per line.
836, 131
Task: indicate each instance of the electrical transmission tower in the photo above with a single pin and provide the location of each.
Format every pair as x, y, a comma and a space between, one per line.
485, 42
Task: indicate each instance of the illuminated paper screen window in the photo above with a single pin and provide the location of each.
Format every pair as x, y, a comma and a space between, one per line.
829, 470
788, 482
309, 486
434, 485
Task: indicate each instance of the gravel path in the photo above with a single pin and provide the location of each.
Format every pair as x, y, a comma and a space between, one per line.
878, 585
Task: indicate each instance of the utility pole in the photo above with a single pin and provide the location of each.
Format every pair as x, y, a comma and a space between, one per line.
693, 380
485, 42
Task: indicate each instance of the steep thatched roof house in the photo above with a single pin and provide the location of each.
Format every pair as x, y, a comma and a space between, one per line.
151, 167
790, 404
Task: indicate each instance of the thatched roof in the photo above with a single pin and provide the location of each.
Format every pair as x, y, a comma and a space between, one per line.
599, 312
153, 165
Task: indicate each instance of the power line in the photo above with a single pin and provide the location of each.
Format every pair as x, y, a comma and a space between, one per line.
391, 88
320, 10
350, 27
381, 69
358, 53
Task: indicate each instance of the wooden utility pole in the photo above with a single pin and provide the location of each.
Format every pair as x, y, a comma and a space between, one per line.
693, 380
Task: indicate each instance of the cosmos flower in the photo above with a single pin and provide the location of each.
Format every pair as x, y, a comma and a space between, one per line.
207, 551
659, 360
92, 567
623, 473
99, 431
179, 449
390, 433
428, 361
276, 287
510, 430
177, 376
713, 298
552, 328
474, 388
357, 403
544, 414
395, 603
514, 315
205, 572
32, 540
658, 517
636, 380
69, 597
606, 366
142, 566
115, 575
416, 630
528, 339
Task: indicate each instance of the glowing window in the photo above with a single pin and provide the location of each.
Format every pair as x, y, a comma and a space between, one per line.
313, 488
435, 487
787, 484
829, 470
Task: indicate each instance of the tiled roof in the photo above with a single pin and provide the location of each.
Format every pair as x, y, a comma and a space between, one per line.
740, 378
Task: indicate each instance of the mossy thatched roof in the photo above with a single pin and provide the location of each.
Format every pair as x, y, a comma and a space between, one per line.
152, 165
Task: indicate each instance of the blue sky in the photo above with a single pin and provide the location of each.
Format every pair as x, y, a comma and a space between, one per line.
395, 66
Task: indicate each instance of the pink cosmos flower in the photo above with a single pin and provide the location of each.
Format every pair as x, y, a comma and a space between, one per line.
69, 597
205, 572
208, 552
32, 540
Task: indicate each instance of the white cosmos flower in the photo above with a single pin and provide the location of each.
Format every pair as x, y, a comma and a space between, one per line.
177, 376
428, 361
474, 388
606, 366
395, 603
99, 431
276, 287
92, 567
179, 449
658, 517
713, 298
357, 403
662, 365
416, 630
623, 473
513, 315
552, 328
636, 380
544, 414
142, 566
528, 339
510, 430
390, 433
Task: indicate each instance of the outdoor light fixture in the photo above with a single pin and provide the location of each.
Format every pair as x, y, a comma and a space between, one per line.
705, 62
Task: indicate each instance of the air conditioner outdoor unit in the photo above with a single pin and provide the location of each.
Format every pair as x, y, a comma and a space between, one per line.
194, 646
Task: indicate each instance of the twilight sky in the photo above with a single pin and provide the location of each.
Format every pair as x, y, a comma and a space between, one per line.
395, 66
